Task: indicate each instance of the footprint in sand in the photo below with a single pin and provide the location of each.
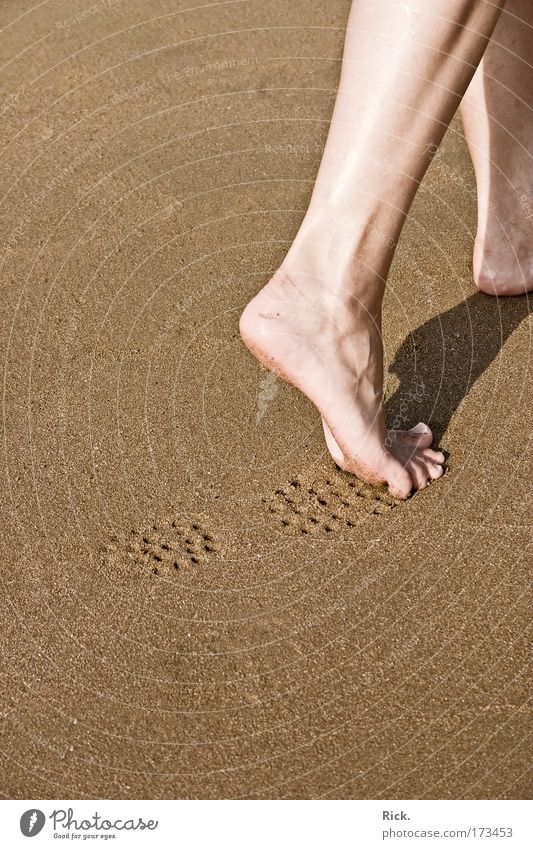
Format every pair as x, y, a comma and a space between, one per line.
327, 505
165, 547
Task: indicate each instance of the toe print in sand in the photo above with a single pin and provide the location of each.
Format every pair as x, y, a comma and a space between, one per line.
326, 505
165, 547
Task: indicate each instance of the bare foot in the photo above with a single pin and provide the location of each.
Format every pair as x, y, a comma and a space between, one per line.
331, 350
497, 112
503, 250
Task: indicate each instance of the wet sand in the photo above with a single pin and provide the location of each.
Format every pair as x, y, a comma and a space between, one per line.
196, 603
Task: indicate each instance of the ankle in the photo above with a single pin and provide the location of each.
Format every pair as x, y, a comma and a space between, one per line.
336, 311
340, 272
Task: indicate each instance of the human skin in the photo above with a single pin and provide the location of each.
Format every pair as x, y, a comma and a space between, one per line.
497, 114
317, 322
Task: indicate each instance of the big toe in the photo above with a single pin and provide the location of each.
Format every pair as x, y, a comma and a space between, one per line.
421, 434
399, 480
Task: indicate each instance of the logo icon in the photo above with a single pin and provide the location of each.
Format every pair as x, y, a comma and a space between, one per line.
31, 822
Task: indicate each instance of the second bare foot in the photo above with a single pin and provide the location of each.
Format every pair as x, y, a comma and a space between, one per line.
503, 250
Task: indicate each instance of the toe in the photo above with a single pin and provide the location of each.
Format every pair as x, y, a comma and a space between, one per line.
433, 456
399, 481
420, 431
420, 435
435, 470
419, 473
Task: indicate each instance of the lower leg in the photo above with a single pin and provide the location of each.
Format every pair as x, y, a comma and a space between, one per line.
317, 323
497, 113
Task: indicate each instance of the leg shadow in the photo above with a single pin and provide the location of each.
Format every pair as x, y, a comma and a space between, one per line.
439, 362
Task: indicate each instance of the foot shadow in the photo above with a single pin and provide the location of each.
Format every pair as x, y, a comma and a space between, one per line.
440, 361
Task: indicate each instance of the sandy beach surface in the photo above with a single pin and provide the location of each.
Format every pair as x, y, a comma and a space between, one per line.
195, 601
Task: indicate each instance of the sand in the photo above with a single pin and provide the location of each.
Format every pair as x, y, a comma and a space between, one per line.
196, 603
